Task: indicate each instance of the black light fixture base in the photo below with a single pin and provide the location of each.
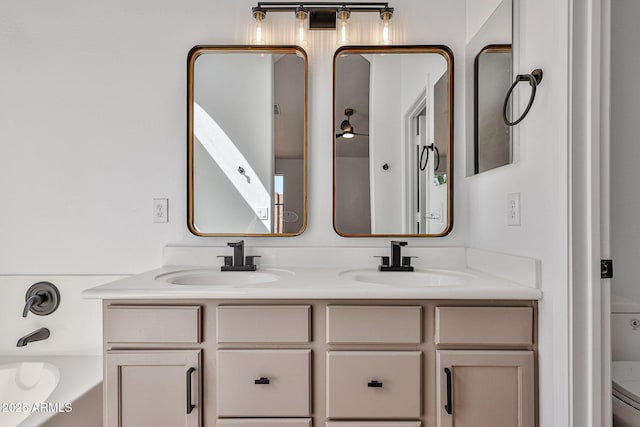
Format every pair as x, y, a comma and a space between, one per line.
322, 19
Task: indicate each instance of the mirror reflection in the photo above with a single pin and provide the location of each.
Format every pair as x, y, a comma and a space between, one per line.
489, 60
392, 146
492, 79
247, 141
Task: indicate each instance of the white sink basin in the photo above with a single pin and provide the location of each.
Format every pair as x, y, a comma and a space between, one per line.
412, 279
231, 279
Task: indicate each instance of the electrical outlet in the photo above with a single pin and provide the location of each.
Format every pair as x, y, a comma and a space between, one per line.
513, 209
262, 213
160, 210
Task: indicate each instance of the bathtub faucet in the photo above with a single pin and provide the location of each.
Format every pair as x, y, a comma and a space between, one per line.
39, 335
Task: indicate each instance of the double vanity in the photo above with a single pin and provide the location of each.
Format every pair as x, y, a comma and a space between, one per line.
334, 346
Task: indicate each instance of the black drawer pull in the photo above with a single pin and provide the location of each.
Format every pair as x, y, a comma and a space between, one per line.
374, 383
449, 406
262, 380
190, 405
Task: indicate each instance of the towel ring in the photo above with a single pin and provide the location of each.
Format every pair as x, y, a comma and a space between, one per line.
534, 80
423, 165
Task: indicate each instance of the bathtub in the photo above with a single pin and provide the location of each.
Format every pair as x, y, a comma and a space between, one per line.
36, 389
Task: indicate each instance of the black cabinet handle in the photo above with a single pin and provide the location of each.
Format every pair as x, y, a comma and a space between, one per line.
262, 380
374, 383
190, 405
449, 406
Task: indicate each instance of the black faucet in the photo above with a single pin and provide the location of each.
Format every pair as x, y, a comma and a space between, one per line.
39, 335
398, 262
237, 261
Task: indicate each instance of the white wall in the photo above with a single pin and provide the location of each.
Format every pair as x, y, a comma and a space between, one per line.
478, 12
625, 147
69, 334
385, 144
541, 177
93, 124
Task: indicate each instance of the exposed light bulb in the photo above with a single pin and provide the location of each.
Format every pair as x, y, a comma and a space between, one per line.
342, 28
301, 27
387, 30
348, 135
258, 30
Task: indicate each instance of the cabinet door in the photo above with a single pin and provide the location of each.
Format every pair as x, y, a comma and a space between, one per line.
485, 388
153, 388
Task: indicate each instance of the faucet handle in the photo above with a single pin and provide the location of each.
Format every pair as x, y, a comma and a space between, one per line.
406, 260
228, 260
384, 260
42, 298
235, 243
250, 258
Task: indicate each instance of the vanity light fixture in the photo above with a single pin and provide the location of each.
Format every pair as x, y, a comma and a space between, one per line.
301, 26
343, 15
322, 16
385, 17
258, 32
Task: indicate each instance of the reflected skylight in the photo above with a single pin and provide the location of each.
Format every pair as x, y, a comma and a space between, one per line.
231, 161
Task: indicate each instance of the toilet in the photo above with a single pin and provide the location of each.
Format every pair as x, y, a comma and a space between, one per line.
625, 369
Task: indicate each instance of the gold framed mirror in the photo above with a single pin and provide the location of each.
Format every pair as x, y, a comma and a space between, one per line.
247, 140
393, 141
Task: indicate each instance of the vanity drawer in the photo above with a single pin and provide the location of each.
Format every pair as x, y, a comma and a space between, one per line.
486, 326
373, 384
263, 383
260, 422
263, 324
373, 424
166, 324
352, 324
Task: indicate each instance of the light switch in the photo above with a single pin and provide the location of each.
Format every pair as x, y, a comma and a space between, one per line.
262, 213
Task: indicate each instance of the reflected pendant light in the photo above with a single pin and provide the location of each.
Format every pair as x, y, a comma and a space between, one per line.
347, 128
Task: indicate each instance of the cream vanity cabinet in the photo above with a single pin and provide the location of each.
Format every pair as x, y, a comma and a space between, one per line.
146, 383
486, 378
323, 363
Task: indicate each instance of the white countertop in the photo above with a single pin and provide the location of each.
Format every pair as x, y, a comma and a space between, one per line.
315, 283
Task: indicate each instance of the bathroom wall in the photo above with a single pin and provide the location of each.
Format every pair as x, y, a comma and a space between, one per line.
541, 177
93, 126
625, 149
76, 326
